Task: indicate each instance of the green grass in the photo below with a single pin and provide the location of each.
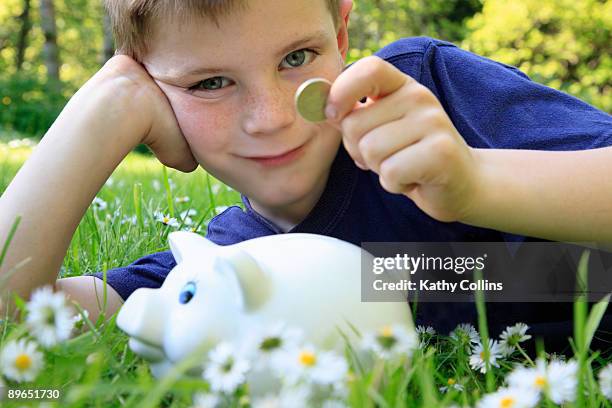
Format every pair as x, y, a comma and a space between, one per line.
97, 369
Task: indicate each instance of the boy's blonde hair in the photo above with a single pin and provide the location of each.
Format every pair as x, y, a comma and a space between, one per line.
132, 20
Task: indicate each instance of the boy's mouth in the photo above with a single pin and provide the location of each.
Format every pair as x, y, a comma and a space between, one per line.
280, 159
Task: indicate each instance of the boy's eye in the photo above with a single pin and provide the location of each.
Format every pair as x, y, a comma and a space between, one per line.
299, 58
210, 84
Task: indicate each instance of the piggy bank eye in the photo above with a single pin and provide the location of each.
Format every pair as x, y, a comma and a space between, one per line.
187, 292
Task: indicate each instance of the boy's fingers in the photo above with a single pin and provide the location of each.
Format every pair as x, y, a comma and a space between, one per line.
384, 141
370, 76
371, 115
411, 166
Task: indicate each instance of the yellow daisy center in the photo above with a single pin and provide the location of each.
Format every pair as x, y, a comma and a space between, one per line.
540, 381
482, 355
386, 331
451, 381
23, 362
166, 220
307, 358
506, 402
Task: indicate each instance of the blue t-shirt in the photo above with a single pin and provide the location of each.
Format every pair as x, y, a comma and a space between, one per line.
492, 105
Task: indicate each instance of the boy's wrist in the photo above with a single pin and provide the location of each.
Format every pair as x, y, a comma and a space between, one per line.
484, 191
113, 104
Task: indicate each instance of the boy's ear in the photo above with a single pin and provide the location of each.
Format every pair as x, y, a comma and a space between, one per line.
343, 39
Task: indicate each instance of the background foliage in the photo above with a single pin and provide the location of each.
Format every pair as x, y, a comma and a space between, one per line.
564, 44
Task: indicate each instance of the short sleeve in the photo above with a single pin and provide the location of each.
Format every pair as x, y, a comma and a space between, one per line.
147, 272
497, 106
227, 228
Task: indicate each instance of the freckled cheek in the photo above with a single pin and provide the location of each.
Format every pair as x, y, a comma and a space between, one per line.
207, 129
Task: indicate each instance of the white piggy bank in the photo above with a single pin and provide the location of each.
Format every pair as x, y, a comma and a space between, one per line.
217, 293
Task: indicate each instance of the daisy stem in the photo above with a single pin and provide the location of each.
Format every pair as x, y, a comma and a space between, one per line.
525, 355
211, 195
484, 332
8, 240
137, 203
168, 191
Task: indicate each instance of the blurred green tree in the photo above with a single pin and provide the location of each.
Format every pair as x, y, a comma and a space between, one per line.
376, 23
29, 97
564, 44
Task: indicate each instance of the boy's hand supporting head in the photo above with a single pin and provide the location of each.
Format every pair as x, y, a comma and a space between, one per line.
404, 135
149, 105
116, 109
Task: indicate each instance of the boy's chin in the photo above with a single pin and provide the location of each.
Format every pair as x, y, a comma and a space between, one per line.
279, 199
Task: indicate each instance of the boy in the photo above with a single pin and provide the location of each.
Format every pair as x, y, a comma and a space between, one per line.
215, 87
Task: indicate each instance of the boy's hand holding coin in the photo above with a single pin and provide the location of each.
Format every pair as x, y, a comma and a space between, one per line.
404, 135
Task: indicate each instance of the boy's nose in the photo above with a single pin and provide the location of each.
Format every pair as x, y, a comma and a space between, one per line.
268, 111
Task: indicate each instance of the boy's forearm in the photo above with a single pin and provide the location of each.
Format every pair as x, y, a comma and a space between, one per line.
55, 186
561, 196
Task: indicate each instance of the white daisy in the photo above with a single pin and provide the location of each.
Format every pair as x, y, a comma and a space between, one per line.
465, 333
132, 220
220, 208
266, 346
557, 379
215, 188
308, 364
555, 356
333, 403
186, 216
109, 182
21, 360
49, 317
191, 229
99, 204
509, 398
289, 397
532, 377
391, 342
605, 381
226, 370
562, 381
183, 199
422, 330
78, 320
477, 359
202, 400
451, 383
425, 335
512, 336
166, 220
188, 213
156, 185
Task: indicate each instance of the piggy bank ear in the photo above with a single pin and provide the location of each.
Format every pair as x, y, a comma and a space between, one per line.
255, 286
185, 244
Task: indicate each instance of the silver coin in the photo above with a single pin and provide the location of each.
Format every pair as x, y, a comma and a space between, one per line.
311, 99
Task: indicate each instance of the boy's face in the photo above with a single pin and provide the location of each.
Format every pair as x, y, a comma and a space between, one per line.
241, 109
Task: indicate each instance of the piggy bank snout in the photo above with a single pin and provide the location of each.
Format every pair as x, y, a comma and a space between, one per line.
143, 316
